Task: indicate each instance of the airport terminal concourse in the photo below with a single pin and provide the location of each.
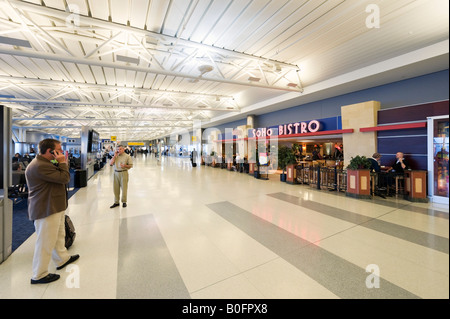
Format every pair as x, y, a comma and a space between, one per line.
244, 153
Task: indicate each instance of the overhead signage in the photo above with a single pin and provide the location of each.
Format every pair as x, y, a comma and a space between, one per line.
289, 129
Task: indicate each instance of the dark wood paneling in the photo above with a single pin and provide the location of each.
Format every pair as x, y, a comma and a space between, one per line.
413, 113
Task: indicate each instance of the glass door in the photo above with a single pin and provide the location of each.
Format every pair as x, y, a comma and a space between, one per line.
438, 159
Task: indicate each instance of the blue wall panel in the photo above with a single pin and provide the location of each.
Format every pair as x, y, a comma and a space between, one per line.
424, 89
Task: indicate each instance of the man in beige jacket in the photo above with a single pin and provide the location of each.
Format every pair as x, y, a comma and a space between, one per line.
47, 176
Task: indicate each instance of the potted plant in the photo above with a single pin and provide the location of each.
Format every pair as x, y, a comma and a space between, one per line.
359, 162
358, 177
286, 157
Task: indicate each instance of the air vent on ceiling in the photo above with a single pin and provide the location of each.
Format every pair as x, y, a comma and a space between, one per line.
254, 79
205, 68
126, 59
5, 96
15, 42
151, 40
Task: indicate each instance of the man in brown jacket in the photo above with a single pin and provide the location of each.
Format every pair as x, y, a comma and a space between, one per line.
46, 177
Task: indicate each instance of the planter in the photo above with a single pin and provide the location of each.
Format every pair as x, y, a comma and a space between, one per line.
291, 174
251, 168
358, 183
415, 183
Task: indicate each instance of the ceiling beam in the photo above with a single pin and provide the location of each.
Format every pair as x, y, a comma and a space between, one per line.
112, 65
20, 80
63, 15
96, 127
15, 119
64, 103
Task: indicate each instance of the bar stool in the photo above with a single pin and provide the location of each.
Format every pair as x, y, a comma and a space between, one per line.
399, 188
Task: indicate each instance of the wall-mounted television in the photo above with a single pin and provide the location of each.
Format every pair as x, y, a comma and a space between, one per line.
93, 142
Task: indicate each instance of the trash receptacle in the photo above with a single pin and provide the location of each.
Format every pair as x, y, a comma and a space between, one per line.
80, 178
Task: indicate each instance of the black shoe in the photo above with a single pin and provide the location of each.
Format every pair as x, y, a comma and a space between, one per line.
47, 279
114, 205
71, 260
124, 205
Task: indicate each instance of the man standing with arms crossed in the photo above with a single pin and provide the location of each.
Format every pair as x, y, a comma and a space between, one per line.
122, 162
47, 176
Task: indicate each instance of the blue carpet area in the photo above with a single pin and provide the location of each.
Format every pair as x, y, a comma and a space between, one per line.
23, 228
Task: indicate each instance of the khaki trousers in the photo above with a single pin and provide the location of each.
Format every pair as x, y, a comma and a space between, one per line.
120, 182
50, 244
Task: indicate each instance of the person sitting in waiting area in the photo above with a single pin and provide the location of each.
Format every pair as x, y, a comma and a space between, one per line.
381, 176
375, 162
400, 165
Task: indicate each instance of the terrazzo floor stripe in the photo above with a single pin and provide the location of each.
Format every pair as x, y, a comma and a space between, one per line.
145, 266
341, 277
425, 239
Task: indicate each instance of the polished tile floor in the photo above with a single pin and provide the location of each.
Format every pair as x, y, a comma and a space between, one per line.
210, 233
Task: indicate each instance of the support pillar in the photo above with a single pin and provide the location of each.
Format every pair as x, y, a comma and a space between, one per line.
6, 207
357, 116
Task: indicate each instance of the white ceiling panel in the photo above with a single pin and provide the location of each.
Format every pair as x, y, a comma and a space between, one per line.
120, 11
99, 9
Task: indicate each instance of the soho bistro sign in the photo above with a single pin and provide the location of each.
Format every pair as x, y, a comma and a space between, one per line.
289, 129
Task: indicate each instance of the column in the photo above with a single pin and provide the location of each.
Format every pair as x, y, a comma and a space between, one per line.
356, 116
6, 180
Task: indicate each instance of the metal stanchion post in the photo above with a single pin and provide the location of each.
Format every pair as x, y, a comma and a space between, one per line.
318, 176
335, 180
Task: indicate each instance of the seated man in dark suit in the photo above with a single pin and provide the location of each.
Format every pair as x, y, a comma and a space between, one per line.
400, 165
